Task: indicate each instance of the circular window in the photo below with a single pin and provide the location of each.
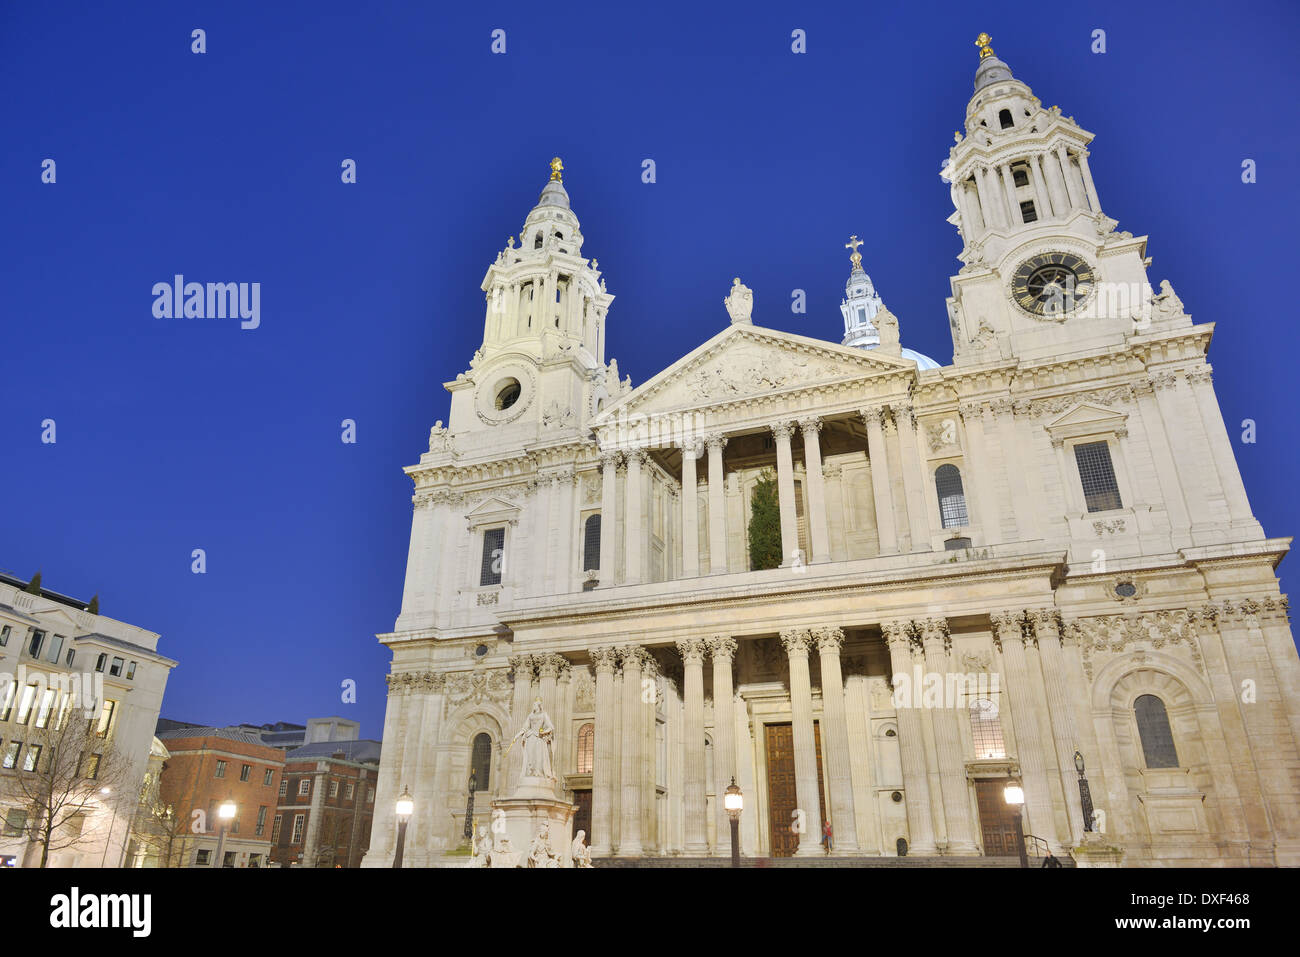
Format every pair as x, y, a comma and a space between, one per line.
508, 394
480, 651
890, 733
896, 796
1126, 589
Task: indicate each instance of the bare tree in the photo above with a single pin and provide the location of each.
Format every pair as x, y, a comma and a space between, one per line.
67, 770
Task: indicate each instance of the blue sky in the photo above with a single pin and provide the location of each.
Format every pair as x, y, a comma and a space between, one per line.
225, 166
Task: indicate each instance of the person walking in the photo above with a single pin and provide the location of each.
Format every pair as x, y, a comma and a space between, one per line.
827, 836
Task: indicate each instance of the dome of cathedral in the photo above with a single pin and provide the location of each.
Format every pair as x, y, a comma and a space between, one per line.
922, 361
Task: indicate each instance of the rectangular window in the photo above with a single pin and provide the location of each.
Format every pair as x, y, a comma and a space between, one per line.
334, 789
304, 787
203, 858
55, 649
99, 664
494, 543
275, 827
116, 670
7, 705
261, 820
130, 671
221, 769
11, 755
5, 631
106, 718
245, 771
25, 709
298, 820
72, 656
33, 758
15, 822
370, 798
1100, 491
1027, 211
352, 790
92, 766
34, 645
47, 705
284, 788
268, 777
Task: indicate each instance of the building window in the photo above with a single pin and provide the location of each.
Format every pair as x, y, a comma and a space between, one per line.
952, 499
1020, 176
1100, 491
15, 822
6, 709
334, 789
304, 787
116, 669
203, 858
47, 705
494, 542
284, 788
99, 665
1004, 118
25, 709
11, 755
35, 643
1027, 212
298, 820
72, 656
352, 790
33, 757
370, 797
55, 649
267, 777
986, 729
586, 748
481, 761
221, 769
591, 543
1153, 728
130, 671
275, 827
5, 631
508, 394
245, 771
92, 766
261, 821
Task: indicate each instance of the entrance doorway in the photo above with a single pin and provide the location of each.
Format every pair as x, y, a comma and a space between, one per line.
997, 819
782, 797
582, 819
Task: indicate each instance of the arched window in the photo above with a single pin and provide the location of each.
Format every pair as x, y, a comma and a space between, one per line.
586, 748
480, 761
952, 500
1004, 117
1020, 175
537, 243
591, 543
1153, 728
986, 729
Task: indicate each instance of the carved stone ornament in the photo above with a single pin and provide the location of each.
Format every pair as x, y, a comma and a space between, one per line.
745, 372
462, 686
740, 303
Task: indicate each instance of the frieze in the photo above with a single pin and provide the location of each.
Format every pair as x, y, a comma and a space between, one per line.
1136, 633
1063, 403
462, 686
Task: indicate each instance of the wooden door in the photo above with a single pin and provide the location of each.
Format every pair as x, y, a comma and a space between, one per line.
782, 794
582, 819
997, 819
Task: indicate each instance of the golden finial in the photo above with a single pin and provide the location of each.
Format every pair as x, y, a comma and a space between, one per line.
856, 257
556, 166
982, 41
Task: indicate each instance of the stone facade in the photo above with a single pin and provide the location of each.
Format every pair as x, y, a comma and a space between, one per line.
1044, 548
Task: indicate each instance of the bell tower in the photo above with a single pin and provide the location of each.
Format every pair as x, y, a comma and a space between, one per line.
541, 366
1044, 270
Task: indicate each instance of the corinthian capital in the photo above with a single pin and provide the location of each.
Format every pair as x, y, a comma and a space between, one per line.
605, 659
898, 634
722, 646
873, 416
549, 665
933, 630
1006, 626
810, 424
796, 641
829, 640
632, 657
692, 651
1045, 623
782, 429
522, 666
716, 441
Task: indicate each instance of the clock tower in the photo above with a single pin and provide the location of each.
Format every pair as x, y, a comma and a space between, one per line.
1045, 272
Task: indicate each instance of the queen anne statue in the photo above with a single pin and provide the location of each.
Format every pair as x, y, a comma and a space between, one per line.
538, 735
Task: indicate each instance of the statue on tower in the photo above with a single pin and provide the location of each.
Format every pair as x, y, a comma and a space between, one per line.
556, 168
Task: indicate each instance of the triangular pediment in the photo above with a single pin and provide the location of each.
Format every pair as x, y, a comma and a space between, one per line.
745, 361
1084, 414
491, 506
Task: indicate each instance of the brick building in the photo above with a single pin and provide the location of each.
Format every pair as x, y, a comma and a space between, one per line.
326, 804
206, 767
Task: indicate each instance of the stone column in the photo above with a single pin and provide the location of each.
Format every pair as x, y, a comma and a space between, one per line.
947, 742
1010, 638
880, 482
1064, 736
1071, 185
717, 507
564, 724
857, 711
1022, 502
723, 649
1275, 627
835, 743
521, 703
917, 510
911, 744
1040, 189
633, 762
690, 512
995, 211
565, 529
1051, 167
1166, 469
632, 518
1088, 184
608, 518
692, 652
812, 457
785, 490
1194, 492
1009, 185
1225, 462
978, 473
602, 777
649, 754
796, 642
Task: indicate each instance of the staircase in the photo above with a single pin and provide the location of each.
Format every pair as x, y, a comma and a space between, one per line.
833, 862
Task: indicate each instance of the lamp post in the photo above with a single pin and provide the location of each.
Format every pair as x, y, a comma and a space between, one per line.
111, 824
1015, 796
226, 813
1085, 795
405, 807
734, 801
469, 806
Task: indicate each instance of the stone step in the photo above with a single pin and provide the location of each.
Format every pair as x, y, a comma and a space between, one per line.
833, 862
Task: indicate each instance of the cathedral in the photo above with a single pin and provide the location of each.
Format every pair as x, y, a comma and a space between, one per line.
1033, 571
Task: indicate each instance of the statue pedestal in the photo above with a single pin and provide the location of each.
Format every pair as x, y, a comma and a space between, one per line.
519, 817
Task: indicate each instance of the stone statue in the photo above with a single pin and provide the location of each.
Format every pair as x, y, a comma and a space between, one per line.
538, 739
1166, 305
581, 852
439, 438
480, 848
887, 325
740, 304
540, 852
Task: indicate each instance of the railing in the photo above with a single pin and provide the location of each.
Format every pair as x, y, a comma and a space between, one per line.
1036, 847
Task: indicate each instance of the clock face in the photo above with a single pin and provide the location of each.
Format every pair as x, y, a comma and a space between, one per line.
1052, 285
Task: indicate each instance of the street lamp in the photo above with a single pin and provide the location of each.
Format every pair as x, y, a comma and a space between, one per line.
1015, 796
469, 806
734, 801
405, 808
111, 824
227, 814
1085, 795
